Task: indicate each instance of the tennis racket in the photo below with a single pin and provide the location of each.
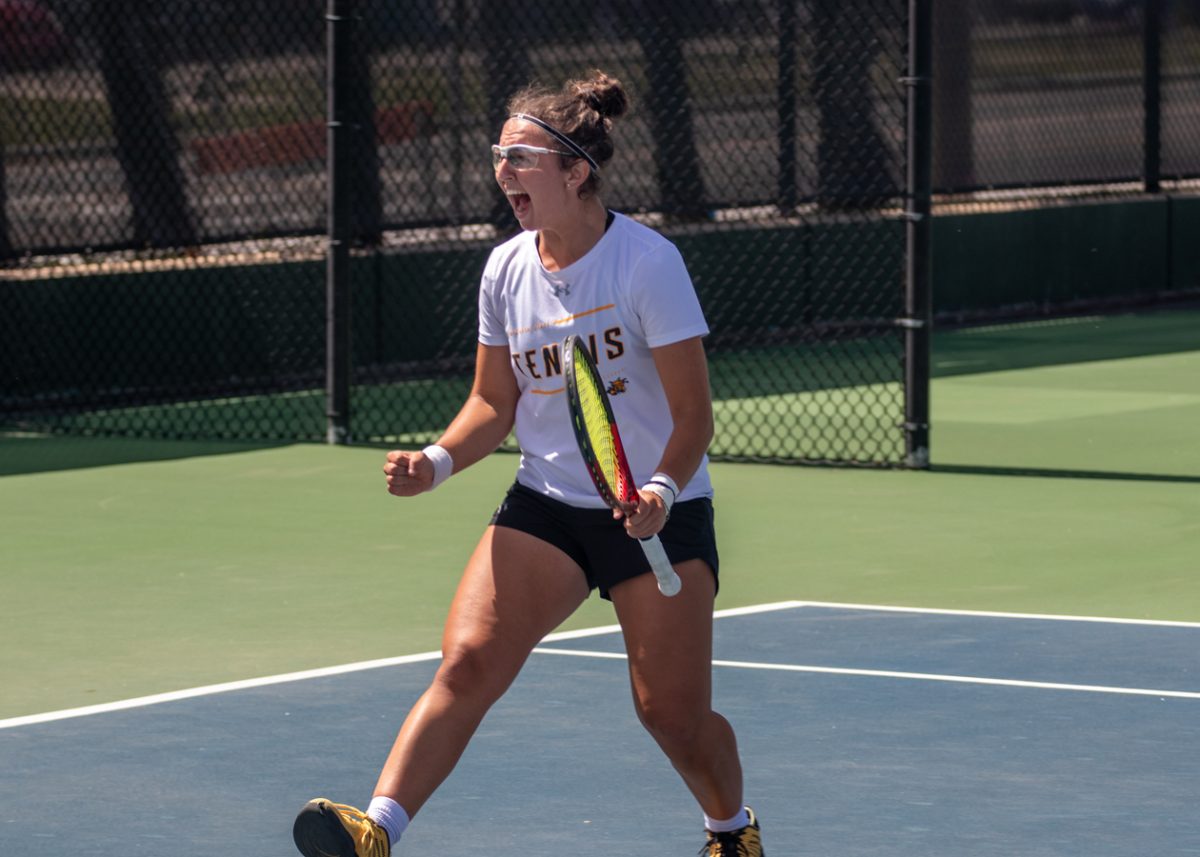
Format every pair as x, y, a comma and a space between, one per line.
600, 444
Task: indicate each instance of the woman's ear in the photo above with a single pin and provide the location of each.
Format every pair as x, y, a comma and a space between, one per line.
578, 173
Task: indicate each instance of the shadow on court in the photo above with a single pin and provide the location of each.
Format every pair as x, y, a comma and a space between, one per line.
1052, 473
864, 731
45, 453
1027, 344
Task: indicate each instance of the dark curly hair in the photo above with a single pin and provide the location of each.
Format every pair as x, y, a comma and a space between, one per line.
583, 110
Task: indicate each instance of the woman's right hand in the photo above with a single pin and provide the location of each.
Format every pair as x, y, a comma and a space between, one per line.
408, 473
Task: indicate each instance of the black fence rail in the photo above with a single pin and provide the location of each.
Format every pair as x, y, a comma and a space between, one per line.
164, 180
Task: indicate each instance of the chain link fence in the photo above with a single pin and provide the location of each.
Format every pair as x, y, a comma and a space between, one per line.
164, 187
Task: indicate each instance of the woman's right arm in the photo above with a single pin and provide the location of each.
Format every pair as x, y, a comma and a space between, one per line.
482, 424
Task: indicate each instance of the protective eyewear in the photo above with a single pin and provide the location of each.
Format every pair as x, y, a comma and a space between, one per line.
521, 157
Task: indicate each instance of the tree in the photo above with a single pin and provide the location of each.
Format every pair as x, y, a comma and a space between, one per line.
147, 148
657, 26
854, 162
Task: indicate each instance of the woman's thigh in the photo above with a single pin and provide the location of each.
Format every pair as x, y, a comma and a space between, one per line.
515, 589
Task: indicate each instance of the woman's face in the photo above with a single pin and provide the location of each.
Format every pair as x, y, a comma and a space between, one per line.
539, 193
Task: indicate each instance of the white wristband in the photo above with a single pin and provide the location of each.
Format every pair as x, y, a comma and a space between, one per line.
664, 486
443, 464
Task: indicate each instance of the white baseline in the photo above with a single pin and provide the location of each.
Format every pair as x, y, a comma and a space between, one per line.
304, 675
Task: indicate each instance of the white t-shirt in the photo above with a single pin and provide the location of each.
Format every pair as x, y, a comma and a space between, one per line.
630, 293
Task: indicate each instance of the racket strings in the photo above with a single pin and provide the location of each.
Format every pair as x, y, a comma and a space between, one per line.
595, 421
599, 430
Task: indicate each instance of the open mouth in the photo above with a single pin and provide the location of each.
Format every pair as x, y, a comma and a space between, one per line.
520, 202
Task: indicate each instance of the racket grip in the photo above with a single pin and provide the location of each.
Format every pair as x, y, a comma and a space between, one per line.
668, 581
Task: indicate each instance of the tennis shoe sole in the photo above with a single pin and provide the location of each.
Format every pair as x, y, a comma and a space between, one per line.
318, 832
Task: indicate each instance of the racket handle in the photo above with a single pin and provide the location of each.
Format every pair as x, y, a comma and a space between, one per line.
668, 580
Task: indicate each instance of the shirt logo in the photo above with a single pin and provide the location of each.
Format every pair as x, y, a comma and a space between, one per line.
560, 290
618, 386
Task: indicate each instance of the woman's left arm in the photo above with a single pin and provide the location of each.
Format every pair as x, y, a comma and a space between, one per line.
683, 369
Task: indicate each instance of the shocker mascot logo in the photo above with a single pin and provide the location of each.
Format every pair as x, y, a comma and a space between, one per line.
618, 386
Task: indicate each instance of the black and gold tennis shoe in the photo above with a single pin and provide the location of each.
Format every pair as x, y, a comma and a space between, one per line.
743, 842
327, 829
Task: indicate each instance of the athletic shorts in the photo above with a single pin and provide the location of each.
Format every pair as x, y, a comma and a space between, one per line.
599, 544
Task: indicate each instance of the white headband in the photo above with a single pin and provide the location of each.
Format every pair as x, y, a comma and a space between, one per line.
575, 148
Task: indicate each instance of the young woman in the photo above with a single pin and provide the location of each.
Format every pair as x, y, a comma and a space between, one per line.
575, 268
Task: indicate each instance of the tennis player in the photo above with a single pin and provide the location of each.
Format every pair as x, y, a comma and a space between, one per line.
575, 268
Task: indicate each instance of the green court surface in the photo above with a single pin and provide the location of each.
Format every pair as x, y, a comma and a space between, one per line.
1066, 481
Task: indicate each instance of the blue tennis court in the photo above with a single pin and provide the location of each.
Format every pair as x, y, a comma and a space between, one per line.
864, 731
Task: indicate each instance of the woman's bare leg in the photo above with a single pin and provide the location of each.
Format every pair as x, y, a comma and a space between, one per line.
515, 590
669, 642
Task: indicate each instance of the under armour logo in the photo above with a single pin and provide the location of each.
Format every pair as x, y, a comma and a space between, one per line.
560, 290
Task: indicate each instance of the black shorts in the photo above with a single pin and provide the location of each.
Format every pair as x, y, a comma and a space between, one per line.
599, 544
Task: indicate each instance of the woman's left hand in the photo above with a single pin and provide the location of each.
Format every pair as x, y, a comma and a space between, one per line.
647, 519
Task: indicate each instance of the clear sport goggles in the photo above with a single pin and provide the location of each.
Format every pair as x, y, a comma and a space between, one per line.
521, 157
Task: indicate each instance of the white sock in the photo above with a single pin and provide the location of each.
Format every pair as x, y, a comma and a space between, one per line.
389, 815
717, 825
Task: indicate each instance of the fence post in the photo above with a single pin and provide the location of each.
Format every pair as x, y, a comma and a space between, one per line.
918, 310
786, 106
339, 24
1152, 95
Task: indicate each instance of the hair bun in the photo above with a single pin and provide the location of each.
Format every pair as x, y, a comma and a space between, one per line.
602, 93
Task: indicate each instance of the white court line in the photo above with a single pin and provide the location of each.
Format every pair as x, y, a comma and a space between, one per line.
717, 614
1050, 617
953, 679
211, 690
324, 672
265, 681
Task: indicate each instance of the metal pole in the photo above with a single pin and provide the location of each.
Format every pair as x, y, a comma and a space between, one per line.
918, 293
339, 26
786, 105
1152, 95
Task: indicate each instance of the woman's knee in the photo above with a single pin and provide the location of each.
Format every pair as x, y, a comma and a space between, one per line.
672, 724
469, 671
